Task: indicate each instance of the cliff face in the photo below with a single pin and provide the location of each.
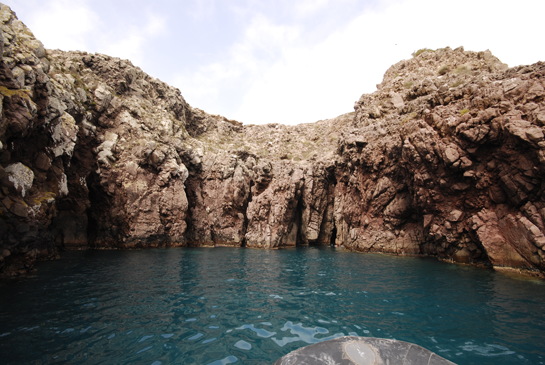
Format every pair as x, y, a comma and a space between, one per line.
446, 158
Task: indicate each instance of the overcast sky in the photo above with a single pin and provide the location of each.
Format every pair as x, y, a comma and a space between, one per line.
283, 61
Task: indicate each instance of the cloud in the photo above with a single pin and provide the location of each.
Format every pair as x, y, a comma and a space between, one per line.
62, 24
307, 7
156, 25
78, 25
290, 62
131, 41
321, 81
272, 74
201, 9
218, 86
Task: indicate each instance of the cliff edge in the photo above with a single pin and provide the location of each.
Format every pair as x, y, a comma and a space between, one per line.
446, 158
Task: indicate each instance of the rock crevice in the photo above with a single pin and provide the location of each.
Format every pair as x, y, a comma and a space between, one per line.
446, 158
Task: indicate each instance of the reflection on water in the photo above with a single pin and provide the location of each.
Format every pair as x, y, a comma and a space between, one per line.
226, 305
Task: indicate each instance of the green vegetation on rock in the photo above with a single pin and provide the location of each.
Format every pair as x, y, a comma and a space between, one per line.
420, 51
443, 70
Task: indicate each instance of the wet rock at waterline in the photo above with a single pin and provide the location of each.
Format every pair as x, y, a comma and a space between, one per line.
446, 158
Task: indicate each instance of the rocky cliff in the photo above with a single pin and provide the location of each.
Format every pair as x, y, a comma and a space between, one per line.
446, 158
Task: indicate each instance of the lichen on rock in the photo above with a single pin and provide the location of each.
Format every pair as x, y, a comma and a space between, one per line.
64, 134
21, 176
446, 158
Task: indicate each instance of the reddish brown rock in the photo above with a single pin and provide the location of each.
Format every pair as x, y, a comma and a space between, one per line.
450, 164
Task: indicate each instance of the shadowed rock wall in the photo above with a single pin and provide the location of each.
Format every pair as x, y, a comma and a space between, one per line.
446, 158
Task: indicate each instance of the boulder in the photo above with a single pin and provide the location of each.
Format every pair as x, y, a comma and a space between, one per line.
21, 176
64, 133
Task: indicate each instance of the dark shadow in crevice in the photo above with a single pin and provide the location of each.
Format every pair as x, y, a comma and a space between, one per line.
298, 218
333, 236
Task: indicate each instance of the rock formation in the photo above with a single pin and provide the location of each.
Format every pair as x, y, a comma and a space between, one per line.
446, 158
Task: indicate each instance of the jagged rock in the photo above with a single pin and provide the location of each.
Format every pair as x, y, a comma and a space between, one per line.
455, 216
103, 97
64, 134
451, 155
272, 212
21, 176
218, 200
444, 161
105, 155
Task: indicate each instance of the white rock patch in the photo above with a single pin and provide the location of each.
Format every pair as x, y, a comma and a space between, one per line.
21, 176
65, 134
63, 186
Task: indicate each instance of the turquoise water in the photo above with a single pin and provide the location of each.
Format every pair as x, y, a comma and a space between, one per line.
244, 306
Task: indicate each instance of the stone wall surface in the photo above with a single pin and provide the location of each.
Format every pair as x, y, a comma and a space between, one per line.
446, 158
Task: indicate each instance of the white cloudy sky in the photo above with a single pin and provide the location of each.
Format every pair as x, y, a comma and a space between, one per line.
282, 61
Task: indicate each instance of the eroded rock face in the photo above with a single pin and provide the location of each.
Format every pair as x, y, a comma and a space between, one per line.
219, 197
446, 158
457, 167
101, 143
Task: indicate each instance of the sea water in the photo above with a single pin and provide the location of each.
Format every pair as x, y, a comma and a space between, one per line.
245, 306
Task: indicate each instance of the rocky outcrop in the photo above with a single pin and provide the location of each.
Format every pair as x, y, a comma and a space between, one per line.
446, 158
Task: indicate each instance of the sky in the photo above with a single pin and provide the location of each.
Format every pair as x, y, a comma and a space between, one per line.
282, 61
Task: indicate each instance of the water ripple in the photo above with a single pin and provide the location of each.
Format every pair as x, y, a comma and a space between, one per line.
220, 306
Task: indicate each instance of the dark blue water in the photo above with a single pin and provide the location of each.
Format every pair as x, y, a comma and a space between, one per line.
226, 305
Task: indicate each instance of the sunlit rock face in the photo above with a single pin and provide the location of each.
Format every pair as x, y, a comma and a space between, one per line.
446, 158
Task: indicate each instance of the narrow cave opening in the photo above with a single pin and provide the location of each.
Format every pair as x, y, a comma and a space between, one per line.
245, 214
333, 236
298, 218
96, 197
92, 229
